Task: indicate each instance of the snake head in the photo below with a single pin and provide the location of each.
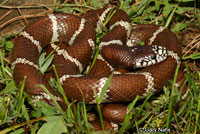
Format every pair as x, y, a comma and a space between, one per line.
149, 55
134, 57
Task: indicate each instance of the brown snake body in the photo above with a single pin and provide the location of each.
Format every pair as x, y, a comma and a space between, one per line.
78, 35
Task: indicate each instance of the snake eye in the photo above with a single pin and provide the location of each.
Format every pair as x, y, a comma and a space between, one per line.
153, 56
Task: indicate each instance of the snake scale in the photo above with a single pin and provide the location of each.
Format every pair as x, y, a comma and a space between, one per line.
76, 37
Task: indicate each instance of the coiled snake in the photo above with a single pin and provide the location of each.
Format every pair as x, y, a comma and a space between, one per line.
78, 35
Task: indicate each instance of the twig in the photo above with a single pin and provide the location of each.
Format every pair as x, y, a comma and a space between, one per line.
22, 15
26, 6
6, 14
157, 18
25, 16
195, 42
46, 6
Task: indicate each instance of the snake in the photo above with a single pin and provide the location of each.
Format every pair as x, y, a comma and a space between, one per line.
120, 53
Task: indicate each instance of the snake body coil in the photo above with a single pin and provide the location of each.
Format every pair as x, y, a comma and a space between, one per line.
78, 35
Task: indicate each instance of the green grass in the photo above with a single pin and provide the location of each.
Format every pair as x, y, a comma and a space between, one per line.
163, 110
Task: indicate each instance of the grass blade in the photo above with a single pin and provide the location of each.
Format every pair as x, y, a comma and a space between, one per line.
171, 98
